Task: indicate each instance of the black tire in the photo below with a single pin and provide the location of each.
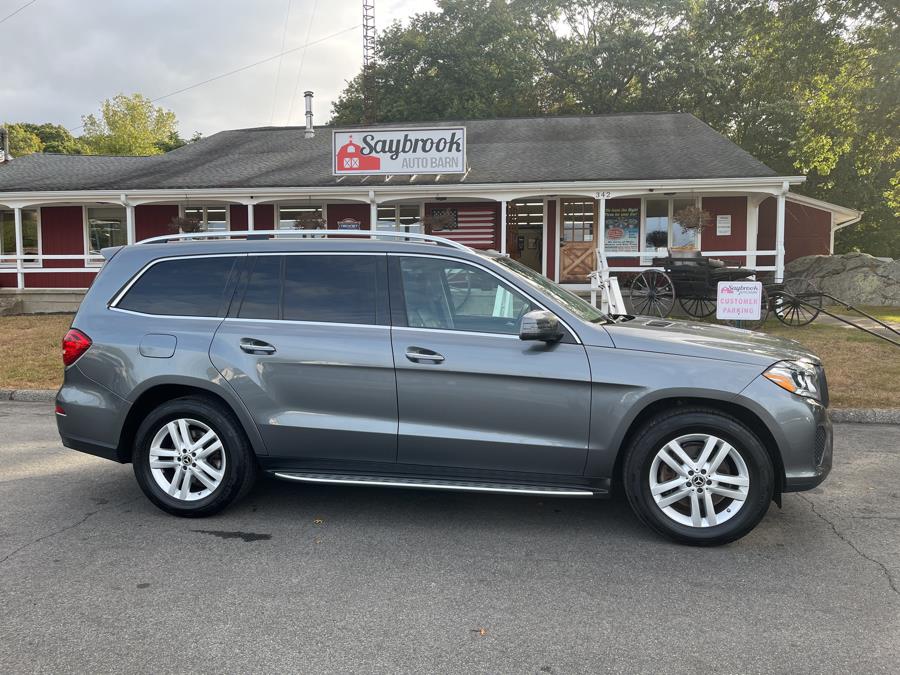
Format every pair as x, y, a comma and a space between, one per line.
239, 460
657, 433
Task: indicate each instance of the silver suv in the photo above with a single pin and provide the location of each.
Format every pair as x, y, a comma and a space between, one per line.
425, 364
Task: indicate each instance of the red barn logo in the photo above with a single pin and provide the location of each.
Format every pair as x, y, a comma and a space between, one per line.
350, 159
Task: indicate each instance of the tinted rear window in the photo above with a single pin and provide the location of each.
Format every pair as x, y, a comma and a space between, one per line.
333, 288
186, 287
263, 295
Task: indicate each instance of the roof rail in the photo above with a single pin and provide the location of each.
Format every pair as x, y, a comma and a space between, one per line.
316, 234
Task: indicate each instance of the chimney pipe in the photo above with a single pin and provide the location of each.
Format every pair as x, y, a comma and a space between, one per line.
310, 131
4, 136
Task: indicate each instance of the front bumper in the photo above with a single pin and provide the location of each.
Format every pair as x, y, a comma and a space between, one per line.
802, 431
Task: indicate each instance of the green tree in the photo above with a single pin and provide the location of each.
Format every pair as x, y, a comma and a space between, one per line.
22, 141
129, 125
56, 138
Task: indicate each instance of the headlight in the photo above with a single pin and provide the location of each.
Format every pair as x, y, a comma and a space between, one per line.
798, 377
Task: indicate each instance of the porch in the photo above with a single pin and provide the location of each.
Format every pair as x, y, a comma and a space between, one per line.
556, 230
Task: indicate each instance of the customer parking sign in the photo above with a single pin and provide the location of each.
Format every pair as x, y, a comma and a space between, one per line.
739, 300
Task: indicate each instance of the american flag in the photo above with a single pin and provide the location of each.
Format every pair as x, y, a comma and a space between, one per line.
475, 227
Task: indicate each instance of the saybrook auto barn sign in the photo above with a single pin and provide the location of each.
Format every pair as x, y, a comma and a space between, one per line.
399, 151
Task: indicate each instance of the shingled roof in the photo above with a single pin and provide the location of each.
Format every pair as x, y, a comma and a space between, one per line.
619, 147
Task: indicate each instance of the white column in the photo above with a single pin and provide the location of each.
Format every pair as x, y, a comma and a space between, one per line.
129, 224
779, 239
503, 226
752, 229
373, 216
20, 248
250, 214
601, 226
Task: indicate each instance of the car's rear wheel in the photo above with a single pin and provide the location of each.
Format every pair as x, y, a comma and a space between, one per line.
698, 476
191, 458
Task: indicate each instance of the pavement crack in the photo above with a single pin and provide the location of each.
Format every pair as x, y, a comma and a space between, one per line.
887, 574
55, 533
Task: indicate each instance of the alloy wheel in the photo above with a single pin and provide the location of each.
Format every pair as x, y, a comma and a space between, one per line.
187, 459
699, 480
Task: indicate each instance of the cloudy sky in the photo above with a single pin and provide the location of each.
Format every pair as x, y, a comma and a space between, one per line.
60, 58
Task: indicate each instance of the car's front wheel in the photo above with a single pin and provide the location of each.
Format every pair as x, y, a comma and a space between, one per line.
698, 476
191, 458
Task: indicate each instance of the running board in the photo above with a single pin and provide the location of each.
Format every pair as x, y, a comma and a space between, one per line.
436, 484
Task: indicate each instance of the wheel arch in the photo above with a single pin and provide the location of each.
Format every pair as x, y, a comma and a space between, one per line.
743, 414
156, 392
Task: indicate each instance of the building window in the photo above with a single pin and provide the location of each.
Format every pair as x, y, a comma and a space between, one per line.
211, 218
30, 236
301, 217
662, 231
399, 216
105, 227
578, 220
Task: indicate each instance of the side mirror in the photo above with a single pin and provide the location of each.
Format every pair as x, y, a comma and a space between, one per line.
540, 325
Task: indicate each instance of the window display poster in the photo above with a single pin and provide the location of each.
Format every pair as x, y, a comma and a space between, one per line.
623, 228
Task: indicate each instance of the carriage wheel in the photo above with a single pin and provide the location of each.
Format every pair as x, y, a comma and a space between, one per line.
698, 307
763, 314
788, 306
652, 293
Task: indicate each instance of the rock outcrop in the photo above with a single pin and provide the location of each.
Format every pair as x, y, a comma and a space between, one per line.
856, 278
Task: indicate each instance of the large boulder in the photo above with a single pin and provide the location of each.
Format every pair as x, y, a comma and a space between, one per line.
856, 278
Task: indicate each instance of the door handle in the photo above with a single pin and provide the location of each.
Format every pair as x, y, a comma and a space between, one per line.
416, 354
252, 346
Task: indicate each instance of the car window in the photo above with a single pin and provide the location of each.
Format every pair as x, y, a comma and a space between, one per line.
451, 295
332, 288
262, 299
184, 287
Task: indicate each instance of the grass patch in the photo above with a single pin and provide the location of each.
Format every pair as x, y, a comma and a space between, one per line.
863, 371
31, 350
887, 314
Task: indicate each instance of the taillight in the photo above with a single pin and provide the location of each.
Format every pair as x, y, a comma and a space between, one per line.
74, 345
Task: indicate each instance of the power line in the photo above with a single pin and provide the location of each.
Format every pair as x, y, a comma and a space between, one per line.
312, 18
280, 60
243, 68
9, 16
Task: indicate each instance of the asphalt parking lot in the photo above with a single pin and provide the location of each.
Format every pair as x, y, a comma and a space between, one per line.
93, 578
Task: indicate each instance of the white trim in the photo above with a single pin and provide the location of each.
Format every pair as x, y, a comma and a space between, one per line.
544, 228
771, 185
559, 234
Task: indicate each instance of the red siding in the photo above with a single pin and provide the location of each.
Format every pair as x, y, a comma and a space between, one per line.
264, 216
736, 207
807, 231
152, 220
62, 233
238, 217
337, 212
552, 236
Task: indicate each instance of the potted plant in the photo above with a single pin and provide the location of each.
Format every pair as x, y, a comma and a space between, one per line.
184, 225
692, 218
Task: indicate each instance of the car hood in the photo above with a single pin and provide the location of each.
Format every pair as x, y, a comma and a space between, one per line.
704, 340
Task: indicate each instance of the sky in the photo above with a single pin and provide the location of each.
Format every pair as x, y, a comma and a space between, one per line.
60, 58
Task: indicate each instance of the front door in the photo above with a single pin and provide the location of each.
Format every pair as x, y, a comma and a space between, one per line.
577, 256
471, 395
307, 347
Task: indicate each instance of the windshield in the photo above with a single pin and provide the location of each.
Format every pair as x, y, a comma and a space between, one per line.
567, 299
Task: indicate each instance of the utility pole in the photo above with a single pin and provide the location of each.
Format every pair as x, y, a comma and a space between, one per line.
368, 84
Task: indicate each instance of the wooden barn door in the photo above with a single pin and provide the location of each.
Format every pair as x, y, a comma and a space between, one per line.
577, 257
